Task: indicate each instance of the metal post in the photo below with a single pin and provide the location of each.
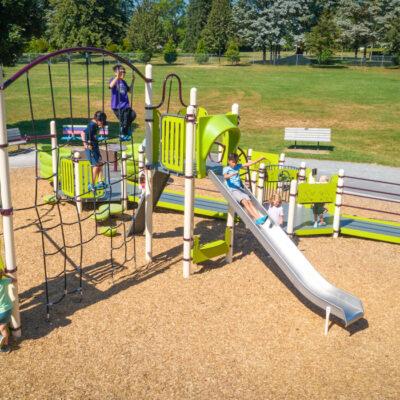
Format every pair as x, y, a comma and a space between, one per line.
327, 315
189, 184
142, 177
247, 182
77, 177
338, 204
302, 173
230, 222
124, 186
7, 213
292, 207
253, 182
281, 161
261, 183
54, 156
149, 162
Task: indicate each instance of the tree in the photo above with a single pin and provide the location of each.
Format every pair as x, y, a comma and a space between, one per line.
170, 53
232, 53
393, 40
172, 16
271, 24
84, 23
20, 20
145, 28
201, 55
322, 40
219, 26
196, 19
357, 20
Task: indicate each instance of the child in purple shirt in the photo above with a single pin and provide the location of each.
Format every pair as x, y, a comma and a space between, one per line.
120, 102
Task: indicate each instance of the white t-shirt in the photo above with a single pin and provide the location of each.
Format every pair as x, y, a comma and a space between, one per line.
275, 213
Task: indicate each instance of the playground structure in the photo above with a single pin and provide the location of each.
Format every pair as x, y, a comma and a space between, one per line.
187, 138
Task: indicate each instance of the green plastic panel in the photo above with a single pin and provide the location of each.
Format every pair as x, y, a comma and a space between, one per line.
207, 251
173, 141
66, 176
209, 128
308, 193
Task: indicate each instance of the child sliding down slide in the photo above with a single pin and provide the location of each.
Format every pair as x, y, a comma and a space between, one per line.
234, 183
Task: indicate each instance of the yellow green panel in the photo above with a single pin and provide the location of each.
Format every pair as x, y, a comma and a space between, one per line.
207, 251
173, 129
317, 192
370, 235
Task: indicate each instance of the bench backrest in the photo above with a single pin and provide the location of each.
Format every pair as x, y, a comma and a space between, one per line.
76, 130
13, 133
316, 134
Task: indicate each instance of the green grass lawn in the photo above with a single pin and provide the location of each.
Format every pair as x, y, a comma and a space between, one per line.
360, 105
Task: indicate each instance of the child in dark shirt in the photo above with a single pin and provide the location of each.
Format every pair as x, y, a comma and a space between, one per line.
120, 102
92, 151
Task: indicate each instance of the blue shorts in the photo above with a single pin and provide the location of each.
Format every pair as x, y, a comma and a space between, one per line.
93, 156
5, 317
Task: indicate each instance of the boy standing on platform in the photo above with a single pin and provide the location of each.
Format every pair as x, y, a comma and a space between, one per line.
120, 102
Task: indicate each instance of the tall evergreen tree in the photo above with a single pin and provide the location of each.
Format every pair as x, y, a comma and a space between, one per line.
323, 38
196, 19
145, 29
172, 15
219, 27
84, 23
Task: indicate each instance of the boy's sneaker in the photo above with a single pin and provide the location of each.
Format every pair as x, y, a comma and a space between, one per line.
5, 349
101, 185
91, 187
125, 138
323, 223
261, 220
315, 224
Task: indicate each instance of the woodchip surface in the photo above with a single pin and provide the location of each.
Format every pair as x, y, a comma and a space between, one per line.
237, 331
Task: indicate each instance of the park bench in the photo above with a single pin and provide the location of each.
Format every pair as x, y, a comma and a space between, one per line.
15, 138
73, 132
308, 135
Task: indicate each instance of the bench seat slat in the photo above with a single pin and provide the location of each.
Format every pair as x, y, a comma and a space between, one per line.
308, 134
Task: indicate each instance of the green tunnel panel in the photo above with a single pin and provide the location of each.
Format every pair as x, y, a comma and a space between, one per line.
209, 128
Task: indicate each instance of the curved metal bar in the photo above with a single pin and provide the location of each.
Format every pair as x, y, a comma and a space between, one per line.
48, 56
170, 76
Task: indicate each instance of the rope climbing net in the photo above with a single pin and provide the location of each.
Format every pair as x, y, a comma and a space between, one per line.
64, 237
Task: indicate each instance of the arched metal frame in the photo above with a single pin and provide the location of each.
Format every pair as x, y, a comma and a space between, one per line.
57, 53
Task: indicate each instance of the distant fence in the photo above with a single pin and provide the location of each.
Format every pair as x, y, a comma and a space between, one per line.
214, 59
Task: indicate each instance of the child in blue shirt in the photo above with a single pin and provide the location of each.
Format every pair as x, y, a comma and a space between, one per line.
6, 308
120, 102
234, 183
92, 151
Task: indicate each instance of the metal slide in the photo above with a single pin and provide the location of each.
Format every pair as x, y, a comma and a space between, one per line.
293, 263
160, 180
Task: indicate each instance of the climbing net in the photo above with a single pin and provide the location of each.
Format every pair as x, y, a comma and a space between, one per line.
69, 237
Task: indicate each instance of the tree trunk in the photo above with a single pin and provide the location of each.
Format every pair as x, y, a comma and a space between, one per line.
356, 52
264, 59
365, 52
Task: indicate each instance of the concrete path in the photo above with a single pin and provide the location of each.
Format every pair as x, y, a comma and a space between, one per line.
371, 171
355, 186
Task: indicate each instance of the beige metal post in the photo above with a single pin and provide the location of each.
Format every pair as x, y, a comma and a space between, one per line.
77, 182
124, 186
7, 216
189, 184
149, 160
338, 204
292, 207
